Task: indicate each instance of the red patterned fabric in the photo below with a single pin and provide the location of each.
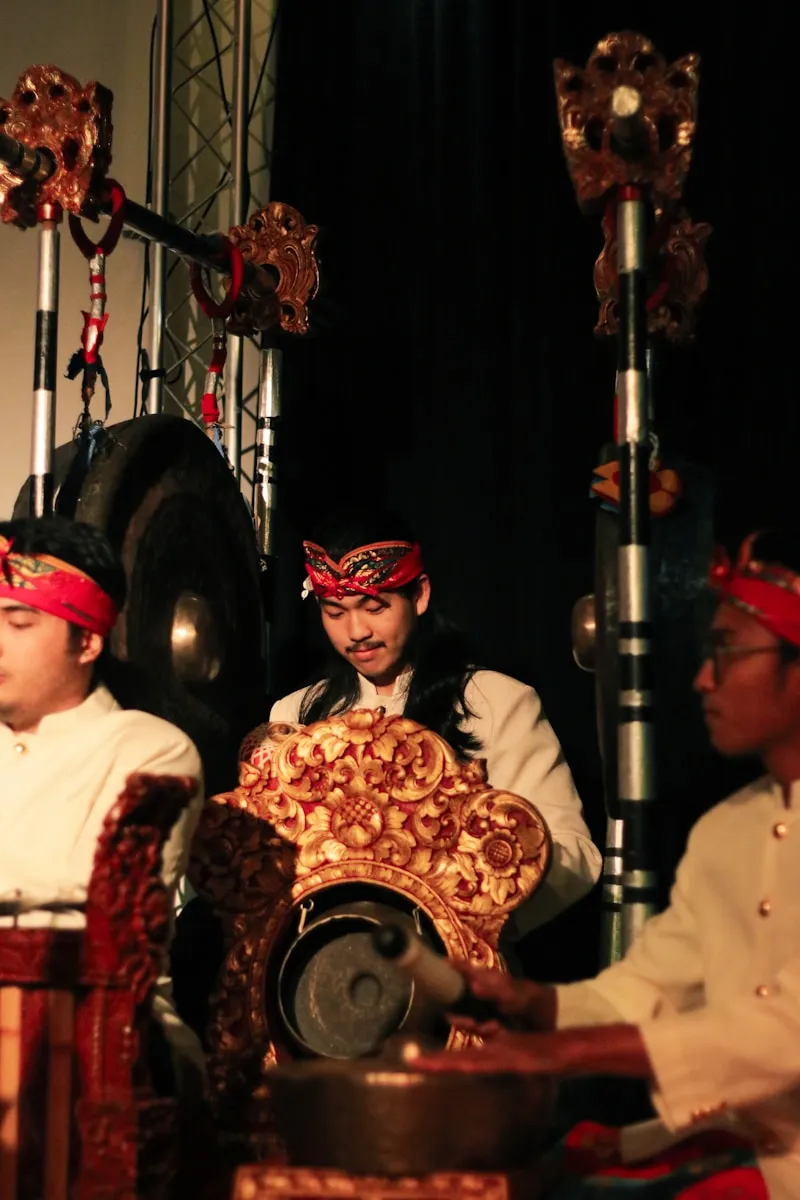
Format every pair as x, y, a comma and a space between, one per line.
52, 586
769, 593
368, 571
709, 1166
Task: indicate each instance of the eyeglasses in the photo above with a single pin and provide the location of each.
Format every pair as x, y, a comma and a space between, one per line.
719, 654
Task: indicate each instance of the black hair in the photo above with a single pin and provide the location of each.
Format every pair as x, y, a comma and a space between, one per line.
81, 546
438, 652
780, 548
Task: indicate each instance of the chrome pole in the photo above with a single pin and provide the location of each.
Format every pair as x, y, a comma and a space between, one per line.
44, 369
636, 729
160, 204
238, 215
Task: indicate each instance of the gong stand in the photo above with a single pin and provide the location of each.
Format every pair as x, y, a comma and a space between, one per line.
628, 122
55, 150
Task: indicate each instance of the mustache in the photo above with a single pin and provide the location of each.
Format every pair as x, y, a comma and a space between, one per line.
364, 646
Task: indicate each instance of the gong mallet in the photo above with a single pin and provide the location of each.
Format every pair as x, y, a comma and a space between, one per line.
432, 974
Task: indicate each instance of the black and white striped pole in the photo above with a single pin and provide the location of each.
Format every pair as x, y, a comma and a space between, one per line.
45, 358
636, 730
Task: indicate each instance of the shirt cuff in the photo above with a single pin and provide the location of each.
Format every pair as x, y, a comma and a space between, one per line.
685, 1094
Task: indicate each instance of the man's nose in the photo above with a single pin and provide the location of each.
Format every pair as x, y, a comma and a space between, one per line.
358, 628
704, 680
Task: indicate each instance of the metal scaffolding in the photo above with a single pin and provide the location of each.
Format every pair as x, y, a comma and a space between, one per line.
213, 84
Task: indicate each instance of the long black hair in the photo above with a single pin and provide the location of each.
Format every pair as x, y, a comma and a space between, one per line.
437, 653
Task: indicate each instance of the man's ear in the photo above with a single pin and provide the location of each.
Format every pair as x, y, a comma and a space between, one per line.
91, 648
423, 595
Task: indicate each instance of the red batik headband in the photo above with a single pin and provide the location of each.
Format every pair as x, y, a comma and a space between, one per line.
768, 592
367, 571
55, 587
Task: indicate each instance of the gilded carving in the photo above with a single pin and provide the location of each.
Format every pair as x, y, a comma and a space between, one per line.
277, 237
49, 109
361, 797
654, 149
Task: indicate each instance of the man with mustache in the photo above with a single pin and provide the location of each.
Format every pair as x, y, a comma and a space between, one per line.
706, 1004
391, 648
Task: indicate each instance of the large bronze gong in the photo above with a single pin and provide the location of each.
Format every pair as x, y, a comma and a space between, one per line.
190, 644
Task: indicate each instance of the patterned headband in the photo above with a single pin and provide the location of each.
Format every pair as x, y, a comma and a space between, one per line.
52, 586
766, 591
367, 571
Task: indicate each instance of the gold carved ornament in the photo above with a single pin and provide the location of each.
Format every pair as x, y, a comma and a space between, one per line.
278, 239
361, 797
50, 110
658, 161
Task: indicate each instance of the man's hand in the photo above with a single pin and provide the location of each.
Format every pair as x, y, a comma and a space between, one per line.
597, 1050
530, 1054
530, 1006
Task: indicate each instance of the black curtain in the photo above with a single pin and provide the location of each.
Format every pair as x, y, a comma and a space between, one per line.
453, 373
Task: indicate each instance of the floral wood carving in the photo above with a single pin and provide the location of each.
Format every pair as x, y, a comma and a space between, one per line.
365, 798
277, 237
678, 271
384, 792
128, 910
51, 110
659, 153
84, 1012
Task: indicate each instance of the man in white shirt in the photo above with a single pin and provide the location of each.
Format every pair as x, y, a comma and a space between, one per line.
392, 649
706, 1004
66, 746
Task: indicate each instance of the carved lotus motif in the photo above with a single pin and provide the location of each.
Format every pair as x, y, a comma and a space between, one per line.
366, 793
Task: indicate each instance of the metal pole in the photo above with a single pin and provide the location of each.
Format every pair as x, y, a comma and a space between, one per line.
44, 369
238, 215
264, 483
160, 201
636, 742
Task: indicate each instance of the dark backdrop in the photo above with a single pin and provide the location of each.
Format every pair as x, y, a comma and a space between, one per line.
454, 373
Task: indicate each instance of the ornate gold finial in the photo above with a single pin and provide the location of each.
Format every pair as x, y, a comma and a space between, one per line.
277, 237
628, 117
51, 110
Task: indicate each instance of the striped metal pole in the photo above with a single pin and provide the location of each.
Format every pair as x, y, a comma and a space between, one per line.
636, 742
264, 484
44, 369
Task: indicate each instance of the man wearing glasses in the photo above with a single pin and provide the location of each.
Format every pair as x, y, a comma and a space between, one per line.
706, 1004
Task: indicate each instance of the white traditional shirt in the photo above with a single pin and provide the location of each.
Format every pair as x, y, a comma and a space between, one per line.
713, 983
56, 788
523, 756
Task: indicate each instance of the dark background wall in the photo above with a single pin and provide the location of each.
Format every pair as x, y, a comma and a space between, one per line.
454, 374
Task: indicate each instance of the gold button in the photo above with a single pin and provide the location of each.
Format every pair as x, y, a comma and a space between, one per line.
765, 908
762, 990
21, 748
780, 830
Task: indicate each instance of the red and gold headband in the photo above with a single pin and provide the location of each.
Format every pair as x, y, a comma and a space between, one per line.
768, 592
52, 586
367, 571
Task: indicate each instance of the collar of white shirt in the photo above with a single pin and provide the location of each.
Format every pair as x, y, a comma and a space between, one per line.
97, 704
370, 697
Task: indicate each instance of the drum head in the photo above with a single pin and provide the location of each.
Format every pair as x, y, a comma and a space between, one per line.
189, 646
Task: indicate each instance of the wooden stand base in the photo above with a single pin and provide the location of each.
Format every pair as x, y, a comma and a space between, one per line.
263, 1182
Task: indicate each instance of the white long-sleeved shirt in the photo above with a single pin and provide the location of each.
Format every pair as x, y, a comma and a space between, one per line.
523, 756
56, 788
713, 983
